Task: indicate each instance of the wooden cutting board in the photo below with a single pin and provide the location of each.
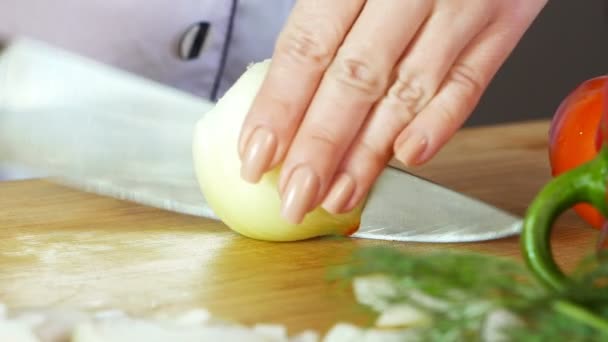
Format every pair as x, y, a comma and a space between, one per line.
60, 247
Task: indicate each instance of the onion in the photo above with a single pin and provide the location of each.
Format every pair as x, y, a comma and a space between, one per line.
252, 210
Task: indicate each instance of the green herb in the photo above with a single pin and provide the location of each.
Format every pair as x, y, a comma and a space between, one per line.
482, 294
474, 285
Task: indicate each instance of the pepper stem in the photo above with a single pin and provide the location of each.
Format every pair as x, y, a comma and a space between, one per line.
586, 183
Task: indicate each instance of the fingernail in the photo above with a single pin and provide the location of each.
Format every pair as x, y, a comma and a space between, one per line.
410, 149
300, 192
258, 155
339, 194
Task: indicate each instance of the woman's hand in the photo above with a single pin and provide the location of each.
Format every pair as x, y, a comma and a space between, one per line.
353, 83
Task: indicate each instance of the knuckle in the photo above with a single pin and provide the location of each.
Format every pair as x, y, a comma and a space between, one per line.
467, 78
305, 46
401, 113
465, 91
323, 136
450, 112
283, 113
447, 113
358, 74
375, 155
410, 93
404, 117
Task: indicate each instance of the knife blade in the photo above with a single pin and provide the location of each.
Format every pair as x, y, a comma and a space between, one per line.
105, 131
405, 207
95, 128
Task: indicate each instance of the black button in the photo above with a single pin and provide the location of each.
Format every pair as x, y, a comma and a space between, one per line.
194, 40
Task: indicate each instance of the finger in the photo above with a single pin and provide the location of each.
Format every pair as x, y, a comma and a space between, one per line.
353, 82
444, 35
303, 51
459, 93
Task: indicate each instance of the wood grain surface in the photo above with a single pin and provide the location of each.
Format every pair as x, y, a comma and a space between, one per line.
60, 247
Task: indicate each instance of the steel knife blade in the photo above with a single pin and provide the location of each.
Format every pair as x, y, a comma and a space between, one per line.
103, 130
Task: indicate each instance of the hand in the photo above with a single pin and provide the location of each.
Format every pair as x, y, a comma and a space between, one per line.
353, 83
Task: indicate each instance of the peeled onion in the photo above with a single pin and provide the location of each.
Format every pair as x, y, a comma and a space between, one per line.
252, 210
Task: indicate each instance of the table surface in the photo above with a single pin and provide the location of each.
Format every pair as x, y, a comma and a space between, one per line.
61, 247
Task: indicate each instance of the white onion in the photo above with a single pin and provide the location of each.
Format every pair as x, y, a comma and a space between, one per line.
401, 316
250, 209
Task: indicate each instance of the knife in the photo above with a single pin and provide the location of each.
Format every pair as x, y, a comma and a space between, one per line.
103, 130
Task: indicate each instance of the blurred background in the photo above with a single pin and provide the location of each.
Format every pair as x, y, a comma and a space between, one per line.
567, 44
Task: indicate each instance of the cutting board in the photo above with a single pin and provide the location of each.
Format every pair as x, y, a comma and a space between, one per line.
60, 247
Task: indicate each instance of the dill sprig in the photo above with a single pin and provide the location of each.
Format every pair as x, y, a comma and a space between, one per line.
472, 286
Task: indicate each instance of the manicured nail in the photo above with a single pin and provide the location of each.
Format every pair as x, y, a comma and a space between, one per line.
300, 192
340, 194
258, 155
410, 150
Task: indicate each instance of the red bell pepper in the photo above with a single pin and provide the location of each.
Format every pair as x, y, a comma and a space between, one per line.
579, 161
575, 136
